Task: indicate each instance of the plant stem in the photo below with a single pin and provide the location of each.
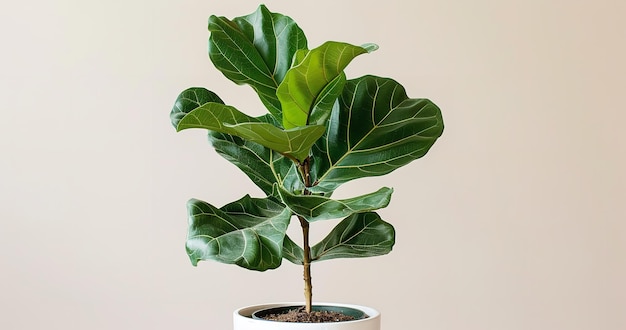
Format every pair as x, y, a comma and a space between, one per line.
308, 284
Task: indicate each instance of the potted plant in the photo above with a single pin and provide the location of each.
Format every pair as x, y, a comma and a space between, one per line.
321, 130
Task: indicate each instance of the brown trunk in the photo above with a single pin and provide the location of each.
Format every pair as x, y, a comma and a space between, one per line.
308, 284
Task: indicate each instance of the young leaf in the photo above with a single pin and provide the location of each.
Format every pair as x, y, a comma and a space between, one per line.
375, 130
357, 236
248, 233
257, 50
190, 99
326, 100
295, 143
315, 208
305, 81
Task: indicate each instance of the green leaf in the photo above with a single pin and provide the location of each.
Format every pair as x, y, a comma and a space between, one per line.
190, 99
326, 100
248, 233
295, 143
357, 236
256, 50
315, 208
305, 81
376, 129
262, 165
292, 251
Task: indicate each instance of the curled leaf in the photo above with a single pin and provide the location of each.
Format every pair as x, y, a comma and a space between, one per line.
357, 236
248, 232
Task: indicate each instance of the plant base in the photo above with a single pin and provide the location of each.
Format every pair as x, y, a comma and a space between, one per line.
243, 319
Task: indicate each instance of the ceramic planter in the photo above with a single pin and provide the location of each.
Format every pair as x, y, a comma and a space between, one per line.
242, 319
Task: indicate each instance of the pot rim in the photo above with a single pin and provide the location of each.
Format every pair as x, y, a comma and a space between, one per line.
247, 311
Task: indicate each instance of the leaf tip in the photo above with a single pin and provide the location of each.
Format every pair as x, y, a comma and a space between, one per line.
370, 47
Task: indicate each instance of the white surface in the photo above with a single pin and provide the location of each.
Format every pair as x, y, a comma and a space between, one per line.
516, 219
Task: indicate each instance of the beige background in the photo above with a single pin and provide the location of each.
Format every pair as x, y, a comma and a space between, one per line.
515, 220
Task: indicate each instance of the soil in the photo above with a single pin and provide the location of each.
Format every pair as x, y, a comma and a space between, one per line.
301, 316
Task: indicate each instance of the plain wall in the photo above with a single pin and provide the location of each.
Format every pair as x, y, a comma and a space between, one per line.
514, 220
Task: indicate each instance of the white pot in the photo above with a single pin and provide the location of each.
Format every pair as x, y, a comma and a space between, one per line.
242, 319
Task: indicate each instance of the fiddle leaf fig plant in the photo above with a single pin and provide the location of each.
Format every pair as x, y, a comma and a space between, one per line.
321, 130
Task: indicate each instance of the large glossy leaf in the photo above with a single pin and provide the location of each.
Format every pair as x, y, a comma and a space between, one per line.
304, 82
376, 129
190, 99
315, 208
248, 232
357, 236
257, 50
294, 143
265, 167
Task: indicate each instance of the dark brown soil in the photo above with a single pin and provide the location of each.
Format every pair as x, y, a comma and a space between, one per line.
299, 315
